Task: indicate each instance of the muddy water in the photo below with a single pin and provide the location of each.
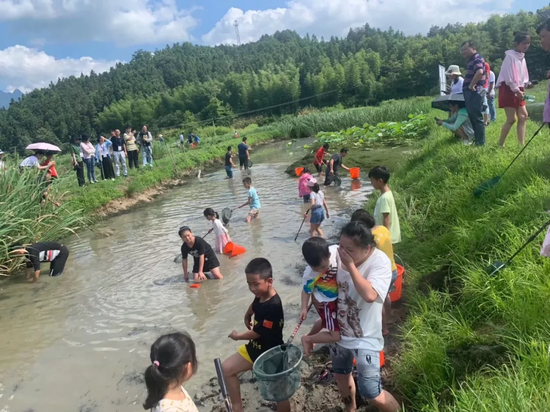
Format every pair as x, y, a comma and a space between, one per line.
81, 341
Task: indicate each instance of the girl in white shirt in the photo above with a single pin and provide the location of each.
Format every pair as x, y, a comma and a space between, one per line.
221, 233
173, 362
318, 208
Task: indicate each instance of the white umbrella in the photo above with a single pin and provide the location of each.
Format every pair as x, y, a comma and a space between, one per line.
46, 147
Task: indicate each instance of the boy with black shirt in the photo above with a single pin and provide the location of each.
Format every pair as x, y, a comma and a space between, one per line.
334, 164
53, 252
264, 333
229, 165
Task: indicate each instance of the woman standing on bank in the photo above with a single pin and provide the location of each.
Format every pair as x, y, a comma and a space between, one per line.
511, 83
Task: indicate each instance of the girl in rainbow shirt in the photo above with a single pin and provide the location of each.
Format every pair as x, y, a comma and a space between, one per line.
319, 281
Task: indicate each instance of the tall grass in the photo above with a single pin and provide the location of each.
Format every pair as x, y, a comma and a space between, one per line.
473, 342
25, 219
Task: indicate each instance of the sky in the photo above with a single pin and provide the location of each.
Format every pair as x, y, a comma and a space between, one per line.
43, 40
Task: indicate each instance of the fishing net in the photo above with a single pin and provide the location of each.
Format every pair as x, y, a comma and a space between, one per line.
278, 372
226, 215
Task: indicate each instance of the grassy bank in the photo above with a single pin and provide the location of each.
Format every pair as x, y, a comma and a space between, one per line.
474, 342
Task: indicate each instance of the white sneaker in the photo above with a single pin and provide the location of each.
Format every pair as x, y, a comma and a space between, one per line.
113, 179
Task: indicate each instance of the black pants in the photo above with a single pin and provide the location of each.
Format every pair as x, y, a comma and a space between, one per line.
106, 167
79, 168
243, 161
58, 264
474, 105
133, 157
329, 177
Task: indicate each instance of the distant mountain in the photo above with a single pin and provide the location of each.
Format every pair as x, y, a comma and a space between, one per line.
5, 97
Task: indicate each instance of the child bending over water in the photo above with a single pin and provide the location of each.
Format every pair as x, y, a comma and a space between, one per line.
173, 362
320, 282
221, 233
264, 333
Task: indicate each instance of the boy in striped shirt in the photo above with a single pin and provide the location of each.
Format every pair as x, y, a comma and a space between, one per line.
319, 282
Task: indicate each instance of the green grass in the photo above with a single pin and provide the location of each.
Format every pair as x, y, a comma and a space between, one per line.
473, 342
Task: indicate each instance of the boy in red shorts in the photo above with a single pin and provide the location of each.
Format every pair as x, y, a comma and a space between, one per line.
319, 281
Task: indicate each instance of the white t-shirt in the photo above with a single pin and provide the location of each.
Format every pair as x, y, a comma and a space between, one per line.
324, 287
30, 161
319, 197
492, 80
218, 227
361, 322
167, 405
456, 88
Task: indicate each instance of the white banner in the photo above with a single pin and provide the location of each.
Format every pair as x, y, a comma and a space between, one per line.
442, 81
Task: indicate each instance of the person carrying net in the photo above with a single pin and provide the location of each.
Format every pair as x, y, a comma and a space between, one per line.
264, 332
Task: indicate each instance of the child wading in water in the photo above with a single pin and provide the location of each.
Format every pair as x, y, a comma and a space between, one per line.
320, 282
304, 190
318, 207
221, 233
264, 333
173, 362
253, 200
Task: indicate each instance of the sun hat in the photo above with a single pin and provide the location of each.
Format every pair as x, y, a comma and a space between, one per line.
453, 69
1, 152
312, 182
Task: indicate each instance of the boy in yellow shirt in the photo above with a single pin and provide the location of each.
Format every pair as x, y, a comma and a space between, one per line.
382, 237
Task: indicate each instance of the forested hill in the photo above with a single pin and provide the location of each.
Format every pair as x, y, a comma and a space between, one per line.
185, 82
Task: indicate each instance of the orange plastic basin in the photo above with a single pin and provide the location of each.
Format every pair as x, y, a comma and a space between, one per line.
355, 172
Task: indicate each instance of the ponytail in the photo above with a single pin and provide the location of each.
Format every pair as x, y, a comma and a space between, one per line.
170, 356
210, 212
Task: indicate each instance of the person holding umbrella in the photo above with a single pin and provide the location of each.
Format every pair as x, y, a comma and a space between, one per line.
103, 156
459, 122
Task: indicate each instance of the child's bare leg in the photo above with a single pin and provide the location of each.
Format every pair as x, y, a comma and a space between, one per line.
232, 366
248, 218
321, 337
216, 273
283, 406
321, 234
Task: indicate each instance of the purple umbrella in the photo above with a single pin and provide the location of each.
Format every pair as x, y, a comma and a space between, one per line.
45, 147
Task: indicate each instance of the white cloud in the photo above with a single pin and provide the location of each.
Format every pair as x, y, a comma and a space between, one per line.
336, 17
124, 22
25, 69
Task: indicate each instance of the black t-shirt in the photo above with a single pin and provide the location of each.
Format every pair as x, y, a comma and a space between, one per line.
141, 139
201, 247
42, 252
228, 159
269, 322
243, 147
118, 143
337, 162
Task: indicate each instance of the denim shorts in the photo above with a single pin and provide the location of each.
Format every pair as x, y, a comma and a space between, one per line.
317, 216
368, 368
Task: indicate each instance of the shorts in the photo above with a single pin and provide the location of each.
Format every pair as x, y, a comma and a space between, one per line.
306, 198
317, 216
243, 161
328, 311
208, 265
254, 213
393, 279
319, 168
244, 353
368, 368
507, 98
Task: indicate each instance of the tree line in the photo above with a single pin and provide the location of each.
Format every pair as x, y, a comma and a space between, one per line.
187, 84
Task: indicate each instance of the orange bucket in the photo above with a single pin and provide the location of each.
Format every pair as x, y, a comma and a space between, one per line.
228, 248
194, 145
396, 294
237, 250
382, 359
355, 172
299, 171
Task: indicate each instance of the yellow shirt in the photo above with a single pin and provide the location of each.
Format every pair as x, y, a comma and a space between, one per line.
382, 237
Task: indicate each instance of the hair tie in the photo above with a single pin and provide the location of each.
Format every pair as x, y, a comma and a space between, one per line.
156, 363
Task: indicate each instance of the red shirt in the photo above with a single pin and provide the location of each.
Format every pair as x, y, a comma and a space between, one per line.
52, 170
319, 156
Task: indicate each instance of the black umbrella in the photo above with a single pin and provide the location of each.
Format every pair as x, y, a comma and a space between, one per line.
442, 102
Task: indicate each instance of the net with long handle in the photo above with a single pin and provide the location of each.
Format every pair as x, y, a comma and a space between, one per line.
226, 215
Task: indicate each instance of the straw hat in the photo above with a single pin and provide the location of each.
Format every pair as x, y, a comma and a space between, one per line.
453, 69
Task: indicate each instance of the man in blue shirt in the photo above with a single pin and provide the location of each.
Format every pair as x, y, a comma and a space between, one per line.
244, 154
473, 89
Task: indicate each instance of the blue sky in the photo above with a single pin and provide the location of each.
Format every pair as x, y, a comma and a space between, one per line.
41, 40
